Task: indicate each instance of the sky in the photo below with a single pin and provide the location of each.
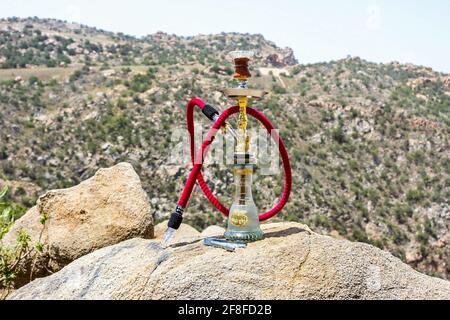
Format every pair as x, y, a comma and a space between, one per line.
415, 31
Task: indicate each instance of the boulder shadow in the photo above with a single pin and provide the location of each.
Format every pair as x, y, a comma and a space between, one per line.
275, 234
285, 233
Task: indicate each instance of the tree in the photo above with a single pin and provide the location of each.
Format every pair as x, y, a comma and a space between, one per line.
338, 135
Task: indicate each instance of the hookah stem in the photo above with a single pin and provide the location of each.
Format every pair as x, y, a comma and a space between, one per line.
196, 174
243, 121
242, 195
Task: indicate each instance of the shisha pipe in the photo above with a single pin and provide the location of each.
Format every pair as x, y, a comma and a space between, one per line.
241, 94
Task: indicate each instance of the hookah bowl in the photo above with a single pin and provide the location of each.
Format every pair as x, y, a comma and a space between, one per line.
241, 60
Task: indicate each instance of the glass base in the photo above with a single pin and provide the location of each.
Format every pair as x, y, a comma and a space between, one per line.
244, 236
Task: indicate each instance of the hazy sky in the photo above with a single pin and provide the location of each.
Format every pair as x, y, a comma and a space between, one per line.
321, 30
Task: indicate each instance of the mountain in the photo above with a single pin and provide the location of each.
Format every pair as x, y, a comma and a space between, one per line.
369, 143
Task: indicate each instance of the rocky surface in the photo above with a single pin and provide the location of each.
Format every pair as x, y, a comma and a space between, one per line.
292, 262
106, 209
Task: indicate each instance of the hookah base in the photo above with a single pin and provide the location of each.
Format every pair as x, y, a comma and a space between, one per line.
242, 236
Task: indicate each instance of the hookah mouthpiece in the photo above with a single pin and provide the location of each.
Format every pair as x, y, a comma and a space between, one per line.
168, 236
176, 218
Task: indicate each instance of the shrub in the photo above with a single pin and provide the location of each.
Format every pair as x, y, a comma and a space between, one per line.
418, 157
141, 82
76, 75
415, 195
12, 255
279, 89
338, 135
402, 211
3, 153
296, 70
360, 235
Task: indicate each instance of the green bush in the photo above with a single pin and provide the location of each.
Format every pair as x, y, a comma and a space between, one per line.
11, 255
338, 135
418, 157
141, 82
360, 235
9, 212
279, 89
415, 196
402, 212
77, 74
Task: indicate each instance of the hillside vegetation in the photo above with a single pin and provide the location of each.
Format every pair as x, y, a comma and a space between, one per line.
369, 143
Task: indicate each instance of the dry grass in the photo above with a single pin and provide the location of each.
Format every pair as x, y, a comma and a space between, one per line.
42, 73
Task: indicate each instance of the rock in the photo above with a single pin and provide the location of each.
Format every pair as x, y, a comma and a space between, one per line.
218, 70
373, 231
335, 234
171, 171
363, 126
290, 263
316, 139
284, 57
422, 123
213, 231
109, 73
185, 232
446, 82
421, 96
106, 209
413, 256
105, 146
324, 105
72, 46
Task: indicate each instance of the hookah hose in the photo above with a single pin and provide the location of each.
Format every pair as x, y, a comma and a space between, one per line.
197, 160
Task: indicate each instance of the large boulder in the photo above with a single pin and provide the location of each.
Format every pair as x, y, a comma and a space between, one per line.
292, 262
104, 210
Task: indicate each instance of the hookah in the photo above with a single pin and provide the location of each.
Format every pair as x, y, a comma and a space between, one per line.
243, 217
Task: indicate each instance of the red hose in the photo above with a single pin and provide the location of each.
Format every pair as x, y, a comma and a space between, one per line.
197, 160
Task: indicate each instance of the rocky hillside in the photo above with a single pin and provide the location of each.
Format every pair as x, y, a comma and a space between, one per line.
369, 143
36, 42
